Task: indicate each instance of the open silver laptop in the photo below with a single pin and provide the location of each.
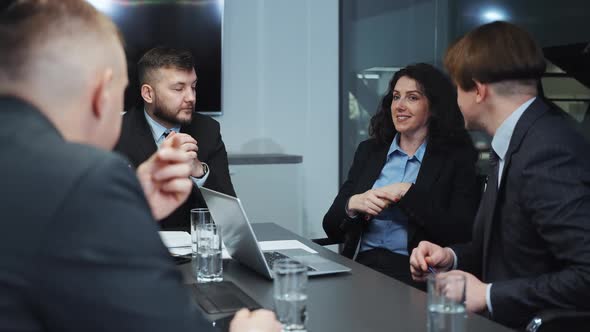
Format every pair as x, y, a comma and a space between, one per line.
242, 245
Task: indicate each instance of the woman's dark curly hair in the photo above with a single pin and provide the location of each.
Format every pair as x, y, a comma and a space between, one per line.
445, 127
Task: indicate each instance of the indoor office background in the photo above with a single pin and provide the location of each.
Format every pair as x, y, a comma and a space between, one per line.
279, 96
380, 36
302, 78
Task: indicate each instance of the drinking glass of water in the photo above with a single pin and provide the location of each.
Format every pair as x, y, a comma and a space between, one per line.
290, 293
446, 303
207, 262
199, 216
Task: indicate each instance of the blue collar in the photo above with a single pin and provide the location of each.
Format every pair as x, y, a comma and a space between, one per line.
395, 147
501, 140
157, 129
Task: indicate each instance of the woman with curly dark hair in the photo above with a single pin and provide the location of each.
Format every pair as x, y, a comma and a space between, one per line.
413, 180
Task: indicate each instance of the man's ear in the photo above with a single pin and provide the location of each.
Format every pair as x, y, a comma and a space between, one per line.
481, 91
101, 96
147, 93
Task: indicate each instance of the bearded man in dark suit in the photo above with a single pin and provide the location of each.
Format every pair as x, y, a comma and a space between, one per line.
168, 83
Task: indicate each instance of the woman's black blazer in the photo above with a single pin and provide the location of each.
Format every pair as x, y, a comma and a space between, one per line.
440, 206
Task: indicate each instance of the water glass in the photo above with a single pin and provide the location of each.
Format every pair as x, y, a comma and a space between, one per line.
199, 216
207, 260
446, 303
290, 293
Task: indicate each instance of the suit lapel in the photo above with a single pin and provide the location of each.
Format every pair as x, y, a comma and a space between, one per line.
185, 129
533, 112
485, 214
373, 168
488, 207
146, 144
432, 164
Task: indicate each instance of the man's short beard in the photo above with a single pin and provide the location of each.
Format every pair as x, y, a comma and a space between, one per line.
160, 113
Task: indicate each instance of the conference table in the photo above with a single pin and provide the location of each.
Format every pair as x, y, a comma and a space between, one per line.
360, 300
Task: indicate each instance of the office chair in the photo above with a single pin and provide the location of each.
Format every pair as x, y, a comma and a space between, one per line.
558, 320
325, 241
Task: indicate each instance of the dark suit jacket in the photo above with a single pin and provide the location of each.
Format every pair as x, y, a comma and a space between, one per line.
79, 249
137, 143
532, 240
440, 206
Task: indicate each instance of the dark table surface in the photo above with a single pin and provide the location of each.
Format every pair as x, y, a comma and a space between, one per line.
361, 300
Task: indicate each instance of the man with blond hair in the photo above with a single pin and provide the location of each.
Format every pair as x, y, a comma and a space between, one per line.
79, 248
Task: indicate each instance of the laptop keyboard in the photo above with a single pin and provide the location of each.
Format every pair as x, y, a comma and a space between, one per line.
272, 256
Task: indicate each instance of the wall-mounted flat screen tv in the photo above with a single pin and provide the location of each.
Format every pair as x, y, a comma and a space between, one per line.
192, 24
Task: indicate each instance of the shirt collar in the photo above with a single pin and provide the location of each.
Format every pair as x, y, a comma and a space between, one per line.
501, 139
157, 129
395, 147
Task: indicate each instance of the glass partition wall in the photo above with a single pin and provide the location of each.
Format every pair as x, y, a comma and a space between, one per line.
380, 36
377, 38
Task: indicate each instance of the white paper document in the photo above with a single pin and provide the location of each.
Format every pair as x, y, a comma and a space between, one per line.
284, 244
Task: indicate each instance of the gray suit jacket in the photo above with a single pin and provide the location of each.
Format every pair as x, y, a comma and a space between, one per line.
79, 250
532, 238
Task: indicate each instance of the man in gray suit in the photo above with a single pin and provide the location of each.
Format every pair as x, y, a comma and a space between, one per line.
79, 248
531, 239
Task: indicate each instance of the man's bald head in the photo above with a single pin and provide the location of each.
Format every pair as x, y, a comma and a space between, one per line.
66, 58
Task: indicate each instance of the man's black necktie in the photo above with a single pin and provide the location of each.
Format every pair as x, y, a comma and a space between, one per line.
488, 208
494, 170
163, 137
